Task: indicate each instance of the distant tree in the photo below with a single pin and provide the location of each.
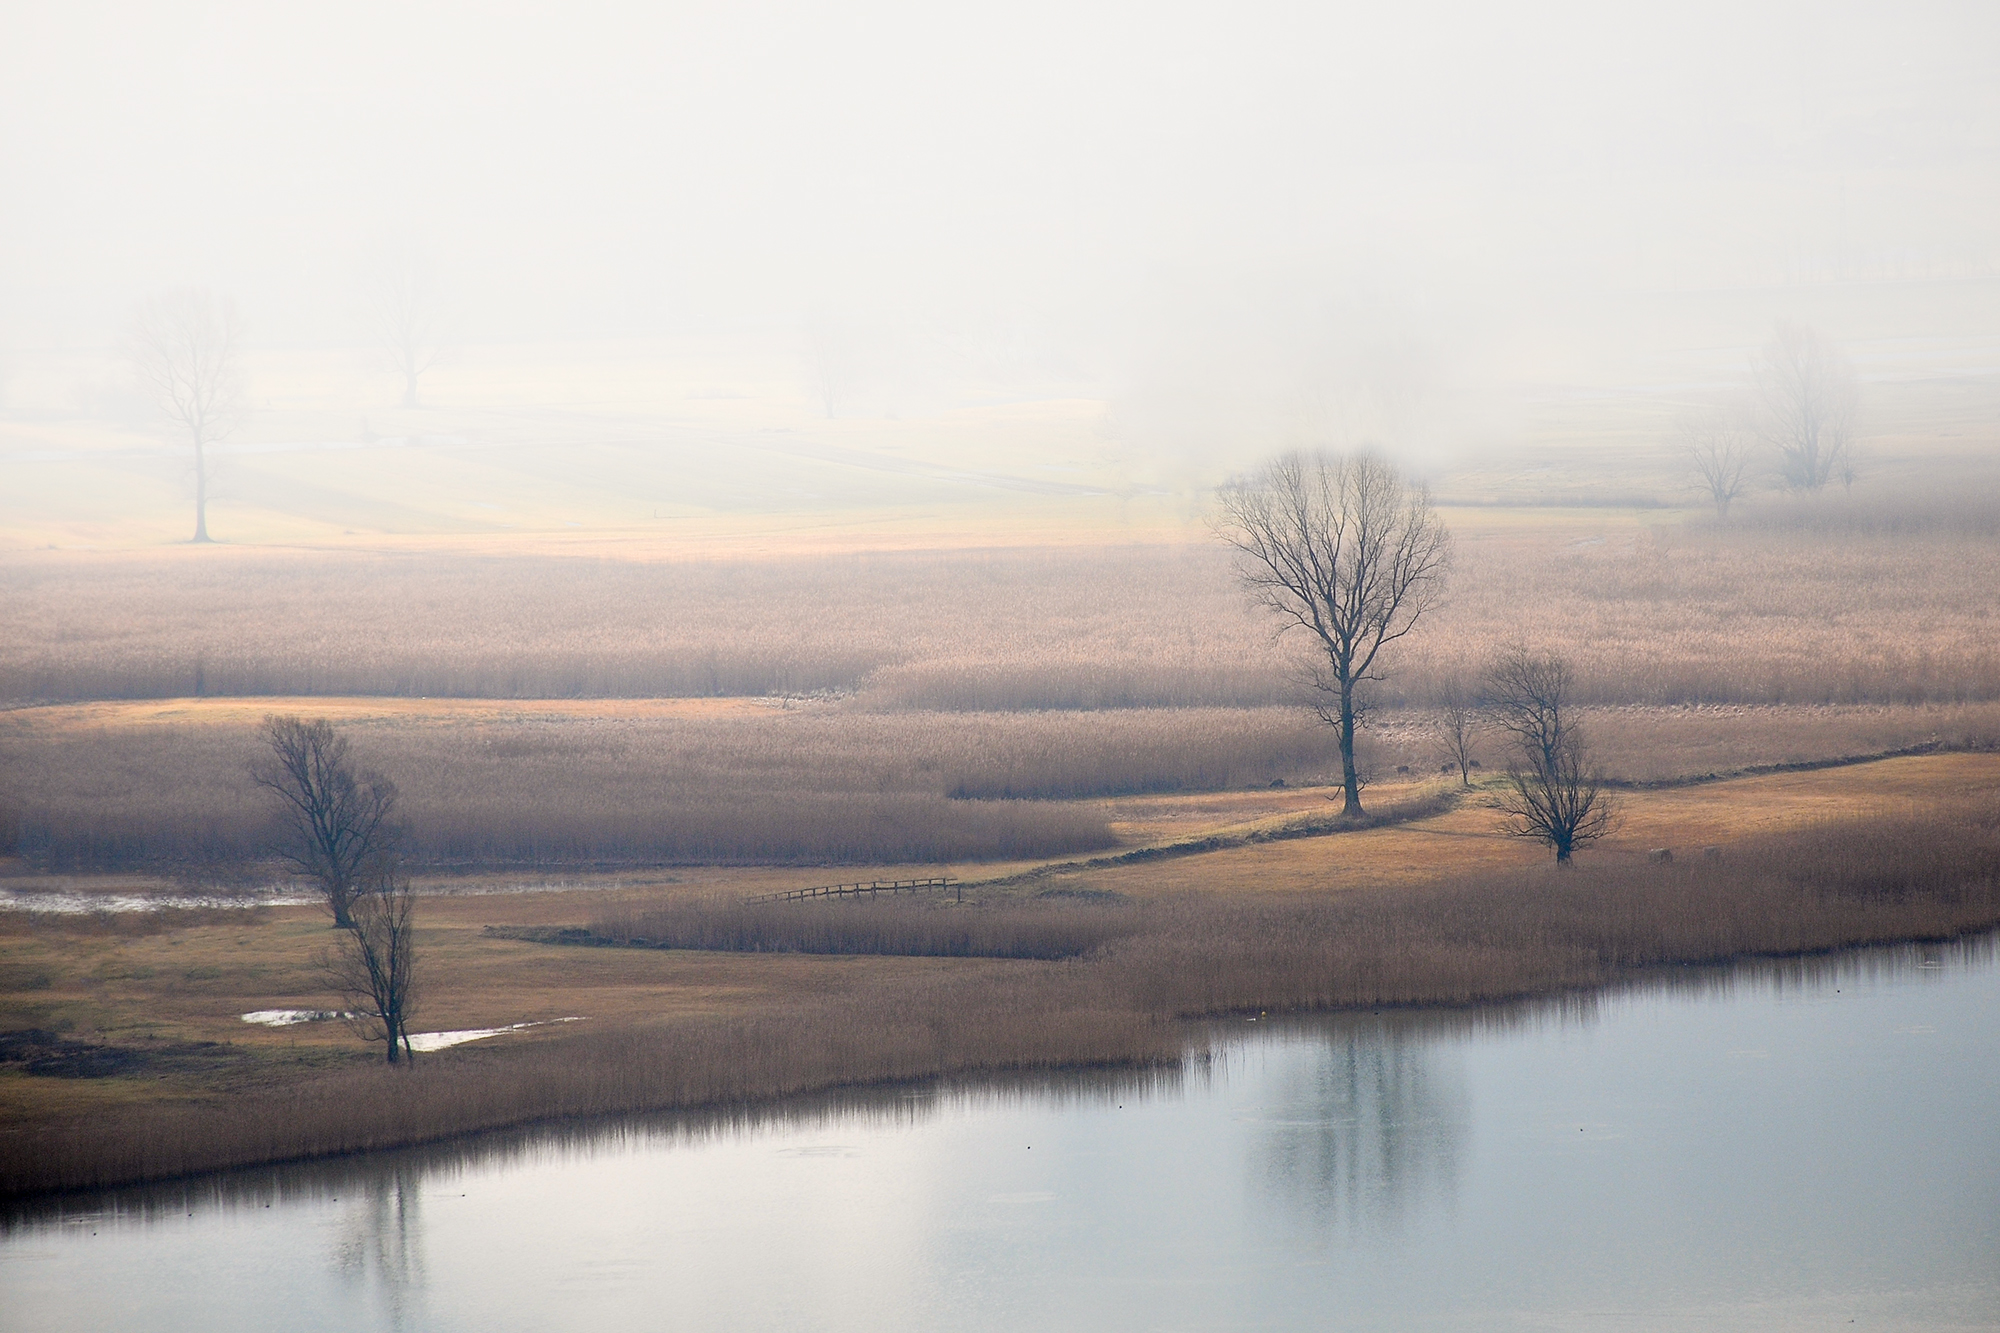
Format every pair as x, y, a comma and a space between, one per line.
184, 347
374, 964
1809, 399
1719, 451
831, 348
1343, 548
339, 822
1456, 721
1554, 797
406, 316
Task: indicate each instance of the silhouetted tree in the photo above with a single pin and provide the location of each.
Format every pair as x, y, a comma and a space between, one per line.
1345, 549
1554, 797
184, 347
374, 964
339, 822
1810, 399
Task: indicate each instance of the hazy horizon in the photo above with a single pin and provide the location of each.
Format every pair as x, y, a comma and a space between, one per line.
1192, 236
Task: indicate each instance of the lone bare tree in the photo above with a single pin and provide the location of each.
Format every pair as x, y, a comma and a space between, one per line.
1809, 399
1554, 797
184, 347
1719, 450
340, 823
406, 315
1343, 548
1456, 721
374, 964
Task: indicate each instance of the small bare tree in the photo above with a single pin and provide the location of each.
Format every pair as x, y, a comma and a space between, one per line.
1456, 722
339, 822
1810, 400
831, 350
406, 317
1719, 450
374, 964
1344, 549
1554, 797
184, 347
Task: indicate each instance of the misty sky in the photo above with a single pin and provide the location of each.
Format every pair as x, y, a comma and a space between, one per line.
585, 170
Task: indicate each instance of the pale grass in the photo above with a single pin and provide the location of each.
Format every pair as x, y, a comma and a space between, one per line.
1745, 613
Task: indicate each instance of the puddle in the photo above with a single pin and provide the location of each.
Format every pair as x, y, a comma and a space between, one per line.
419, 1041
437, 1041
284, 1018
78, 904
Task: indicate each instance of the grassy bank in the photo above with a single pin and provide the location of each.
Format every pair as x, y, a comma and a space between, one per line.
1133, 974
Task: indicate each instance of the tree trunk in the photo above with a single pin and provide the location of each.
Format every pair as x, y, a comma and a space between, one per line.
409, 389
200, 492
1350, 780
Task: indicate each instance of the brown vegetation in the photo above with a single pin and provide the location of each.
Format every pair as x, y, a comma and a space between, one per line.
801, 785
1045, 930
1464, 940
1762, 609
622, 785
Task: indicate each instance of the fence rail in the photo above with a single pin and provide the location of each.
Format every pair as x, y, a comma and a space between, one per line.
935, 884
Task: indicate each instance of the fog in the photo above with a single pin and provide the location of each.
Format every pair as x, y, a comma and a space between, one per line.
1272, 222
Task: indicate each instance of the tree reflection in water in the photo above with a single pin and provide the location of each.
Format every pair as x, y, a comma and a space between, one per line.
1365, 1132
381, 1243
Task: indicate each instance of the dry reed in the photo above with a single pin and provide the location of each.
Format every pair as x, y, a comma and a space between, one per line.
942, 929
1888, 606
1460, 942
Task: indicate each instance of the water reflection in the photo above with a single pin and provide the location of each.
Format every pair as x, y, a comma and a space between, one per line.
396, 1177
1361, 1170
381, 1242
1364, 1123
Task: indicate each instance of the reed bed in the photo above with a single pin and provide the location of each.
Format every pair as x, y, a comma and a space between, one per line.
812, 785
824, 784
1460, 942
1832, 602
1041, 930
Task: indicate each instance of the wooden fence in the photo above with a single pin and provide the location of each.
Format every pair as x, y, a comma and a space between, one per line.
935, 884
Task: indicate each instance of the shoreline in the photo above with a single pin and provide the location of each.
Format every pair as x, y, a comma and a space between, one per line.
1130, 999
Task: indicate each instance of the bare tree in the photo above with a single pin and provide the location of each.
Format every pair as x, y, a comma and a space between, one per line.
407, 318
184, 347
831, 347
1810, 399
1344, 549
374, 964
1554, 797
339, 822
1456, 722
1719, 450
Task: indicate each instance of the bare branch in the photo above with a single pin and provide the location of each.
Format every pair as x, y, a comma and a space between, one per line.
1810, 400
1719, 451
1553, 796
338, 821
406, 314
1343, 549
184, 347
374, 964
1456, 720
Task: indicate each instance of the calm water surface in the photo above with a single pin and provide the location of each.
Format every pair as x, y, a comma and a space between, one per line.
1791, 1145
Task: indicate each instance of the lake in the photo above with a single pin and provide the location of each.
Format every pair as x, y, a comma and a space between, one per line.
1801, 1144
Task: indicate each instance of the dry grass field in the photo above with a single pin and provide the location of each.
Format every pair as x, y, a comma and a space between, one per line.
1101, 742
680, 782
1883, 601
827, 994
